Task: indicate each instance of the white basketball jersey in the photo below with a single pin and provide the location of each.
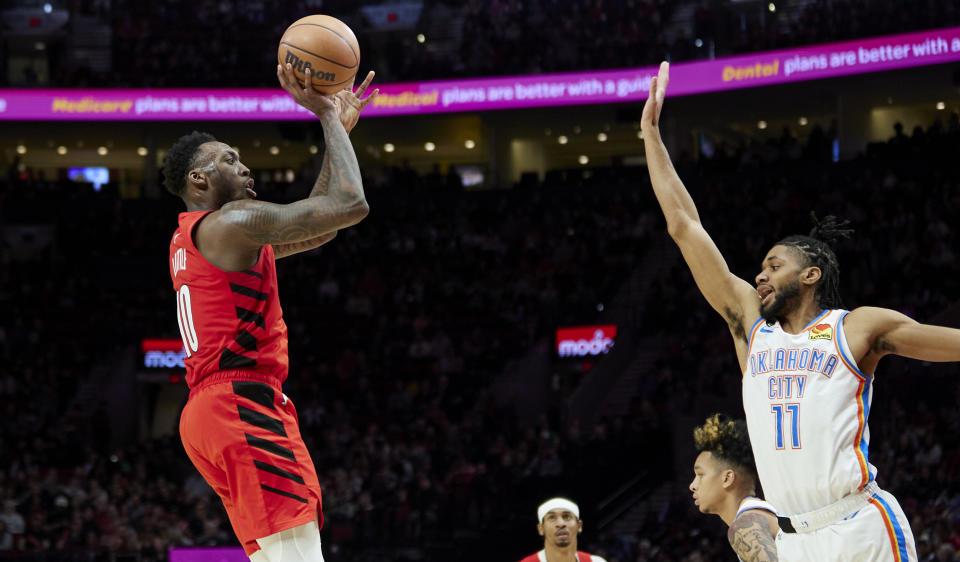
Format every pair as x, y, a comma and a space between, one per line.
750, 502
807, 404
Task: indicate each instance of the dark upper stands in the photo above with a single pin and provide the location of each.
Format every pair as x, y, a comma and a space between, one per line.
217, 43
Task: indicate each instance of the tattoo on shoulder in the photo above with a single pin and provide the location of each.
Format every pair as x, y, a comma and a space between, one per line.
750, 538
735, 322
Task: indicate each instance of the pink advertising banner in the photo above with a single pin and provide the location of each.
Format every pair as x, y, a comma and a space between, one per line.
208, 554
506, 92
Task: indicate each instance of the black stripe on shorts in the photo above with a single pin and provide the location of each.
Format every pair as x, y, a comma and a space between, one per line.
258, 392
278, 471
282, 493
273, 425
270, 447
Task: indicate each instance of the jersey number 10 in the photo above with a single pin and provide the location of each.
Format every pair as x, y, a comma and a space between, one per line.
185, 319
793, 412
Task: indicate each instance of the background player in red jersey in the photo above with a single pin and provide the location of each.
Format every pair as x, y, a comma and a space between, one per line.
559, 524
238, 428
725, 484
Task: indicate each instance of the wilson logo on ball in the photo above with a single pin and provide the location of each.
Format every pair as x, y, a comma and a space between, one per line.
300, 65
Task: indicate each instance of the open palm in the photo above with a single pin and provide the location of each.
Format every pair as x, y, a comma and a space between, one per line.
349, 104
650, 119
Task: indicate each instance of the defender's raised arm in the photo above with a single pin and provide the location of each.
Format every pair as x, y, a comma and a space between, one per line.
735, 299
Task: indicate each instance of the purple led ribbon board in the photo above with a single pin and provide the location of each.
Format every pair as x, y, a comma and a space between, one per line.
208, 554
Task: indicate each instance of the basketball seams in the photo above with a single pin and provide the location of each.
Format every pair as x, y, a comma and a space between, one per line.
342, 38
312, 54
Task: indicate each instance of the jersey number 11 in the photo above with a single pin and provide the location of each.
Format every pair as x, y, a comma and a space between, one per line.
793, 412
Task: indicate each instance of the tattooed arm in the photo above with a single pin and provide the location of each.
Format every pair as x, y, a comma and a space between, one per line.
320, 189
284, 250
752, 536
255, 223
231, 237
349, 105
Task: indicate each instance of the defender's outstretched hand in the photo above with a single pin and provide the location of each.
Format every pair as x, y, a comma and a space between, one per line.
349, 104
650, 120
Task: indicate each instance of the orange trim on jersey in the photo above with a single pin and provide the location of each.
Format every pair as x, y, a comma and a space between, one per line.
890, 531
817, 319
753, 334
853, 369
861, 419
861, 425
837, 332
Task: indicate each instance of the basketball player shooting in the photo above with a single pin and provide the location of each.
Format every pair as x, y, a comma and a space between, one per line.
238, 428
808, 369
725, 484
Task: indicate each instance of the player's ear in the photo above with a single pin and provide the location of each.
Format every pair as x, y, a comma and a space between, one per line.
811, 275
579, 526
540, 529
197, 178
729, 478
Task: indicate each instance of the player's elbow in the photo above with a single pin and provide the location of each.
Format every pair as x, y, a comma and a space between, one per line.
678, 227
353, 210
359, 209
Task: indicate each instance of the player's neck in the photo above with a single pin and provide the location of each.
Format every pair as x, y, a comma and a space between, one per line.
731, 504
198, 206
561, 553
799, 318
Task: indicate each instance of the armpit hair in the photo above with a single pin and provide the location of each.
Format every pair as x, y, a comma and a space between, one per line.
735, 323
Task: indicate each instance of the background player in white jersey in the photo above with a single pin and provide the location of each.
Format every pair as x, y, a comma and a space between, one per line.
808, 374
725, 484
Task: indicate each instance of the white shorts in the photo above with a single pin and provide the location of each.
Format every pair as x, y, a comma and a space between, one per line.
877, 533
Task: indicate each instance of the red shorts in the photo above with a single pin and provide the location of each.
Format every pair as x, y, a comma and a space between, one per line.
244, 439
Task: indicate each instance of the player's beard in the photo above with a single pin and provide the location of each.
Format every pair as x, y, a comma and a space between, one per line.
773, 311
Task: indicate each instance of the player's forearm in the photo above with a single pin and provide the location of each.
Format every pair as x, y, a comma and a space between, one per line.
344, 183
322, 186
284, 250
922, 341
675, 202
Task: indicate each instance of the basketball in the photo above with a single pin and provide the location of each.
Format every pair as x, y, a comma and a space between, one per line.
326, 46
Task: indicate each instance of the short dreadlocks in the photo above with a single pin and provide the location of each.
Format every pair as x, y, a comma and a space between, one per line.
816, 251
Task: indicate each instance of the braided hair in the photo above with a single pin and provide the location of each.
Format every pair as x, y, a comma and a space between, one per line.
816, 251
727, 440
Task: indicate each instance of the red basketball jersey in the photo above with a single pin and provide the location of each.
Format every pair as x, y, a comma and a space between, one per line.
231, 322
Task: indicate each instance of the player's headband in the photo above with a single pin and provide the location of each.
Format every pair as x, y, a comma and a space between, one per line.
555, 503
